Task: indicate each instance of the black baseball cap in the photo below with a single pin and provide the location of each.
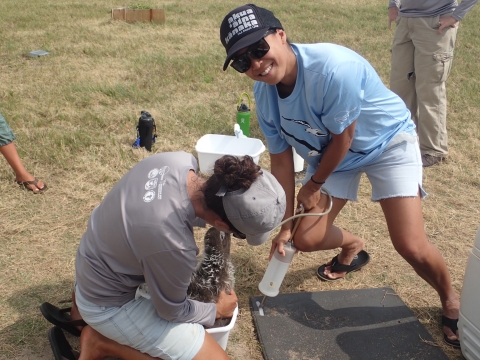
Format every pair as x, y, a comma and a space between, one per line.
245, 26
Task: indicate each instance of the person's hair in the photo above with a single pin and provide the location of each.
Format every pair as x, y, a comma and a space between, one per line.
229, 174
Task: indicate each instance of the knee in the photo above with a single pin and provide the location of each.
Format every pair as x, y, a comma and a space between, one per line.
413, 253
308, 241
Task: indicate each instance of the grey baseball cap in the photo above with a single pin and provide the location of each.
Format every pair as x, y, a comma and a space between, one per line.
257, 210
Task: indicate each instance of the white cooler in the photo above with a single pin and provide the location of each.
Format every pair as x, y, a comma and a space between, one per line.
211, 147
221, 334
469, 319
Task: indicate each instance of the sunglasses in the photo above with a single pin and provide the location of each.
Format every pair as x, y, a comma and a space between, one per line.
257, 50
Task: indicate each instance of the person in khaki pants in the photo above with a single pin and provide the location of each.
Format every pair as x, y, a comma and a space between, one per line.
422, 55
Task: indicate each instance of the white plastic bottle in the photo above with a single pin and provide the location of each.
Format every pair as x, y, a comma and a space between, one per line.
238, 132
276, 270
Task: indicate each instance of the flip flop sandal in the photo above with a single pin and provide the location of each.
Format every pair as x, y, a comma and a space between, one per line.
60, 318
60, 346
33, 182
452, 325
359, 261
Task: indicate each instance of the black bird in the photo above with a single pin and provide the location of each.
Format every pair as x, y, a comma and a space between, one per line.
214, 271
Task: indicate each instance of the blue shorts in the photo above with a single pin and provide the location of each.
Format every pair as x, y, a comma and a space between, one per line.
397, 172
6, 134
136, 324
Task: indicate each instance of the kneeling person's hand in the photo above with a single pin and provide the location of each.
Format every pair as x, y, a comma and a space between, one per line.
226, 304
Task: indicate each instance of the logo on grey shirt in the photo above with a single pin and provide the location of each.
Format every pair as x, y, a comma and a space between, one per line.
149, 196
156, 178
151, 184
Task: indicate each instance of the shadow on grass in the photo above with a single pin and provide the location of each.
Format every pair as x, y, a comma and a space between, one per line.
29, 331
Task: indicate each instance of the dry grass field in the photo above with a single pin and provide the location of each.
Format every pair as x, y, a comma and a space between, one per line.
75, 110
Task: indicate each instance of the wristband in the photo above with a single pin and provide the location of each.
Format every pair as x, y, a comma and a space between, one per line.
317, 182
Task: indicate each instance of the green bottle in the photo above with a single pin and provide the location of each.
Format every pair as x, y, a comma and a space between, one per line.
243, 114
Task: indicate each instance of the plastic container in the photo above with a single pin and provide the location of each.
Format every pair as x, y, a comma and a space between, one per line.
276, 270
298, 162
469, 319
211, 147
220, 334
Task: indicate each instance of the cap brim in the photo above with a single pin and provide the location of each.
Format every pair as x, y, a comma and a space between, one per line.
244, 42
256, 240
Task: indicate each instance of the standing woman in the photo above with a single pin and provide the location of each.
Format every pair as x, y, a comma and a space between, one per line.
330, 105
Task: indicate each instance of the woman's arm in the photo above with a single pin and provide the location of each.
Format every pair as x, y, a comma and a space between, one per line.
283, 170
337, 148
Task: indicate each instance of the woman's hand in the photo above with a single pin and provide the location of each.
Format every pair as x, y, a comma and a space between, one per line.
226, 304
279, 241
309, 195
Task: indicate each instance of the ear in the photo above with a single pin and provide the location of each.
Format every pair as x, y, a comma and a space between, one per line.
222, 226
283, 36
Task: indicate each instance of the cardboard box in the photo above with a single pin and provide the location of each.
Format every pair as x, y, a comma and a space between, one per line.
134, 15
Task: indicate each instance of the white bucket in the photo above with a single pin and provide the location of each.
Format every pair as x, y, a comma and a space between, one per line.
298, 162
212, 147
469, 319
220, 334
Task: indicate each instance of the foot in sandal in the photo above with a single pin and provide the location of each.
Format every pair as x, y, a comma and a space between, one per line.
34, 185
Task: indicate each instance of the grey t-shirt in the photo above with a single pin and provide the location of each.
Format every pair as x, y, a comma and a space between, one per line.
143, 232
429, 8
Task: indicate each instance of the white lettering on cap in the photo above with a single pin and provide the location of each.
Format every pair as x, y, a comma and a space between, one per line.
240, 23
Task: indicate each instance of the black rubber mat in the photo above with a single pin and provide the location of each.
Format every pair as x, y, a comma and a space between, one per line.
342, 324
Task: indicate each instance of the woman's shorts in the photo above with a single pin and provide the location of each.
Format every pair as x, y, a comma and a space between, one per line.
136, 324
397, 172
6, 134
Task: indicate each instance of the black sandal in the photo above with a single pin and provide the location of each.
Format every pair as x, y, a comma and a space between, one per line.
359, 261
60, 347
452, 325
60, 318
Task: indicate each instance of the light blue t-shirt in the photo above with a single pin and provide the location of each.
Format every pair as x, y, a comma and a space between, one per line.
335, 86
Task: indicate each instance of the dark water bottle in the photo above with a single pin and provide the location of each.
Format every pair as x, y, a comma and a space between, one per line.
145, 128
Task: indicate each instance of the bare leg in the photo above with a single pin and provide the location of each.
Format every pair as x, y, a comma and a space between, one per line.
95, 346
405, 225
74, 313
211, 350
319, 233
21, 174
